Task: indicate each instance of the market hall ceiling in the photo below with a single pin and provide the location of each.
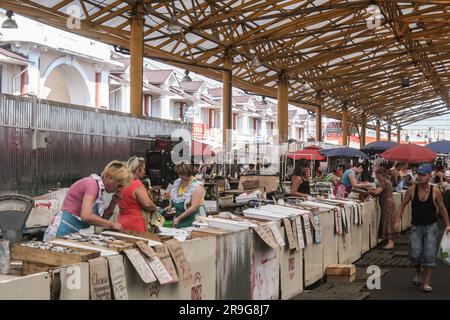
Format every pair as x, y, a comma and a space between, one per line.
387, 59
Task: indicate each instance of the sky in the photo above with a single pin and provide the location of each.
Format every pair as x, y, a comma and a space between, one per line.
440, 128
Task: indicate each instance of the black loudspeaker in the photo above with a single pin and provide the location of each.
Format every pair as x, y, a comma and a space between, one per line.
159, 168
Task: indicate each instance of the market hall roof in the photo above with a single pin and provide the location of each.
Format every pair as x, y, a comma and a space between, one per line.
388, 59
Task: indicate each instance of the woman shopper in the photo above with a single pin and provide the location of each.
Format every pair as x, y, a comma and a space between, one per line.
84, 205
186, 197
386, 200
333, 176
300, 183
135, 201
350, 181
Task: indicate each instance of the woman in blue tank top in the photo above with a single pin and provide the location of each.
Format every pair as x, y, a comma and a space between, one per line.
349, 179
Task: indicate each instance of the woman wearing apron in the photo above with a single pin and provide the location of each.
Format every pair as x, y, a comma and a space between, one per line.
186, 197
84, 205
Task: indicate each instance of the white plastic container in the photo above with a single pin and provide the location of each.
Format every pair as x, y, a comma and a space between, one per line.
228, 224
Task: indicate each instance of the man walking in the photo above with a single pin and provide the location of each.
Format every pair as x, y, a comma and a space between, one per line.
424, 230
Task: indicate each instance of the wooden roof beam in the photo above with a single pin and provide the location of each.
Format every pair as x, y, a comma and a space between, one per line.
392, 12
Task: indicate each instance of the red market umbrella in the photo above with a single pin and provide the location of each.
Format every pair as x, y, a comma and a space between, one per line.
308, 154
313, 147
409, 153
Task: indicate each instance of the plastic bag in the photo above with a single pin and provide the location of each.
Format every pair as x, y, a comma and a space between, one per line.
444, 249
4, 257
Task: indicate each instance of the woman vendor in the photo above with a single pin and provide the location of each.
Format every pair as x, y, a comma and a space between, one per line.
84, 205
134, 199
186, 197
300, 183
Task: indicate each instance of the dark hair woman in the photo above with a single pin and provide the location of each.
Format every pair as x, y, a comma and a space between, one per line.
300, 183
349, 179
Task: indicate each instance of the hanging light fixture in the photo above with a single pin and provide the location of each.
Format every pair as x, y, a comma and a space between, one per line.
256, 63
186, 78
264, 100
9, 23
405, 82
173, 26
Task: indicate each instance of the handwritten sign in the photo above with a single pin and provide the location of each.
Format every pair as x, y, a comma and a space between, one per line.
289, 235
294, 232
301, 241
312, 220
270, 235
267, 238
318, 230
276, 233
141, 266
164, 255
117, 274
155, 264
308, 232
147, 250
183, 267
99, 279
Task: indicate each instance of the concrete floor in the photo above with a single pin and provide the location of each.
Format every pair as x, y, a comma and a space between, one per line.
397, 283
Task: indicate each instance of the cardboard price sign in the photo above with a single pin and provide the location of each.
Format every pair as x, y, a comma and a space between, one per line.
266, 237
184, 269
277, 234
301, 241
312, 220
294, 232
308, 232
141, 266
155, 264
164, 255
117, 273
289, 234
99, 279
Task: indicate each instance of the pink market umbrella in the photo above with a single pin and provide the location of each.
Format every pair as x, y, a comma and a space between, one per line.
409, 153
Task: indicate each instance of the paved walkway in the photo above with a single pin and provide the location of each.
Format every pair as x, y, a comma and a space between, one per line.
396, 283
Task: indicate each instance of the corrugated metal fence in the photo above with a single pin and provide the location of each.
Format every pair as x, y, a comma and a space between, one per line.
80, 141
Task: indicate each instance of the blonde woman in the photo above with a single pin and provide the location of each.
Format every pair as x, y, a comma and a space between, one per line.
84, 204
134, 198
186, 196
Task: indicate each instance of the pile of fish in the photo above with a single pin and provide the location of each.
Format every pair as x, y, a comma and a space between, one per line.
96, 239
47, 246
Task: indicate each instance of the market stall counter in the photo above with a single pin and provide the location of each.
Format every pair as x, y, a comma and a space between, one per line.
196, 264
262, 273
233, 262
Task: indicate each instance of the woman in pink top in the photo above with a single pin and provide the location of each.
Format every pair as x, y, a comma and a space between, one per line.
134, 198
84, 204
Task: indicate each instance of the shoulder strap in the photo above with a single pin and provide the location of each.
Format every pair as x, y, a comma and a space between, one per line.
414, 192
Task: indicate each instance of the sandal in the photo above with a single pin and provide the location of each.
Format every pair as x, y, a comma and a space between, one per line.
417, 280
427, 288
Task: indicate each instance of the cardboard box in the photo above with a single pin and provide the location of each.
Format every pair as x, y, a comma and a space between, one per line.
341, 270
344, 279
